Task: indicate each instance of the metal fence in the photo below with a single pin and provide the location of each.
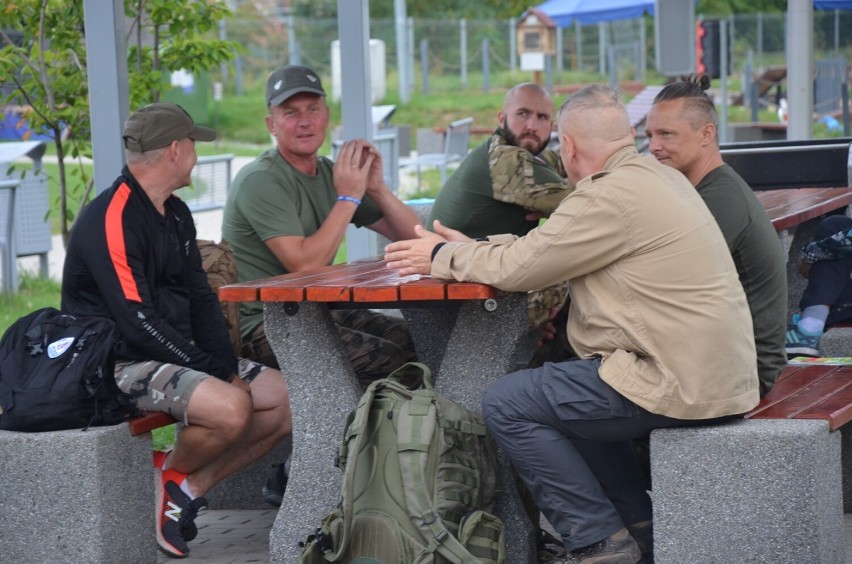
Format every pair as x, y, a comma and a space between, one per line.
448, 55
211, 181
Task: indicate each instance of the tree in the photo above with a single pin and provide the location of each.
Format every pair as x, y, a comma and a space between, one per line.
47, 72
170, 35
46, 67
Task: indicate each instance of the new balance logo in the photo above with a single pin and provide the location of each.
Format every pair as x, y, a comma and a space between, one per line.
174, 512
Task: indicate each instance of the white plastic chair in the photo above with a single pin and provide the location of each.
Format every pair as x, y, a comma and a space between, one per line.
456, 144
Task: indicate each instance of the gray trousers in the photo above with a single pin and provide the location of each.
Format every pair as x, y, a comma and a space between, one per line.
568, 434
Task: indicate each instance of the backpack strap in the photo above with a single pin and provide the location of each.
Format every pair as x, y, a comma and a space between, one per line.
418, 422
355, 427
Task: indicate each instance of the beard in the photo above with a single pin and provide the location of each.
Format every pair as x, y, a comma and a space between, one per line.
533, 144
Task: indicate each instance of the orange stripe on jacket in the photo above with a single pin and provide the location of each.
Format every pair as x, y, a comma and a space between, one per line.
115, 243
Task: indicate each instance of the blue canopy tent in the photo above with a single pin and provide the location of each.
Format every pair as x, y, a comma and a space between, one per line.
566, 12
833, 4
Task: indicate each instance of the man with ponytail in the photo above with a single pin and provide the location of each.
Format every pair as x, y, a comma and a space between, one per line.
682, 127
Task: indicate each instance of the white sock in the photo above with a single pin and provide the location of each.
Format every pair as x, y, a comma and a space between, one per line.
813, 319
184, 486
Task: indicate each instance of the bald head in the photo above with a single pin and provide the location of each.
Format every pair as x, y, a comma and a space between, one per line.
525, 89
527, 117
593, 124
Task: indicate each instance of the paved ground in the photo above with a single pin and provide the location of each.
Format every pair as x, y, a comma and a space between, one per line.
242, 536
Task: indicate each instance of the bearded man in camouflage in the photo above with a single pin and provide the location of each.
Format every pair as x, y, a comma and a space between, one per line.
509, 182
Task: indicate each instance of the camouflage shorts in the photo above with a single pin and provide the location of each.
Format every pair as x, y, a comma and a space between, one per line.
376, 344
160, 386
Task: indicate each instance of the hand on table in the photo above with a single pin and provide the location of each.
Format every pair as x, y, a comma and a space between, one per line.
413, 256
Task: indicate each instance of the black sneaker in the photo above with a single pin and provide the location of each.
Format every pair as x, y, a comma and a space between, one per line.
175, 518
273, 491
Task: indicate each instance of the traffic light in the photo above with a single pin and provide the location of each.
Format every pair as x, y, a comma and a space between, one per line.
708, 54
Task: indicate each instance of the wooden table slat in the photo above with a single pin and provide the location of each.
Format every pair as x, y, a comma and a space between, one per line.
424, 289
790, 207
470, 291
293, 287
342, 286
238, 293
386, 288
282, 294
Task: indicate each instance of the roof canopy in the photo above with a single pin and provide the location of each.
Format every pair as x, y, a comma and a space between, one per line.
833, 4
566, 12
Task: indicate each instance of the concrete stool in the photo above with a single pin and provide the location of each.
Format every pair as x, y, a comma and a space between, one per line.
748, 491
836, 341
77, 496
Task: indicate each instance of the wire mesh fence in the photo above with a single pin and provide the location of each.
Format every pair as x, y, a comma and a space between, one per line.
448, 55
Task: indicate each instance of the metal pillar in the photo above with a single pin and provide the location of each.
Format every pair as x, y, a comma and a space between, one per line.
106, 60
800, 83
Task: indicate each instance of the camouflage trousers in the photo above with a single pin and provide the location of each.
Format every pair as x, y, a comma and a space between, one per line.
542, 303
376, 344
541, 306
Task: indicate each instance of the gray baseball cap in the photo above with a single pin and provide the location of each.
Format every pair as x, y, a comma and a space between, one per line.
156, 125
290, 80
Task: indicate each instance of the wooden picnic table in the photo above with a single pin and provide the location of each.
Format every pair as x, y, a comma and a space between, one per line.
793, 206
467, 333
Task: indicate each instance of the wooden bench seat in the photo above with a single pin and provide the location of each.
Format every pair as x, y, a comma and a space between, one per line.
809, 392
149, 421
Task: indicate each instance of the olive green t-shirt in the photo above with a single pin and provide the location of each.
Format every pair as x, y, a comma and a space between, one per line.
270, 198
760, 263
493, 188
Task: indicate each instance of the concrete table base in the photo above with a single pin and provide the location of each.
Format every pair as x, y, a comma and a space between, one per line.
472, 345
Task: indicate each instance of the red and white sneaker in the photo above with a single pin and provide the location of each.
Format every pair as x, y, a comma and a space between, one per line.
176, 512
160, 458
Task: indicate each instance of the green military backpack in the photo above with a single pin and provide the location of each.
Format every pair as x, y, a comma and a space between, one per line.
419, 475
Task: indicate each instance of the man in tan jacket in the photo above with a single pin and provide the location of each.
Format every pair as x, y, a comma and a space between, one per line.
658, 318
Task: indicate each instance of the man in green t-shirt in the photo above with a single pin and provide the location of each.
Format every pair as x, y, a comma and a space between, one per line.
506, 183
681, 127
288, 210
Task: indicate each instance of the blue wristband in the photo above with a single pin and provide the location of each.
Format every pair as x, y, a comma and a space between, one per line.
352, 199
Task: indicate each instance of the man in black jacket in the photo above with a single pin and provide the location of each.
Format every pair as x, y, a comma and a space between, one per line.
133, 257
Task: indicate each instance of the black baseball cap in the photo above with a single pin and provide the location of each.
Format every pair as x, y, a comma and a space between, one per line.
291, 80
156, 125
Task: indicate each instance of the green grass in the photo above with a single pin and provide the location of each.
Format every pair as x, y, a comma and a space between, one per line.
33, 293
164, 437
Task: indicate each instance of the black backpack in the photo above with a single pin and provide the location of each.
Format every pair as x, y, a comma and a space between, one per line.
57, 372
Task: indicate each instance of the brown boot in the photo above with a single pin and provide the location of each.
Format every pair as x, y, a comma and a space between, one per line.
643, 533
618, 548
